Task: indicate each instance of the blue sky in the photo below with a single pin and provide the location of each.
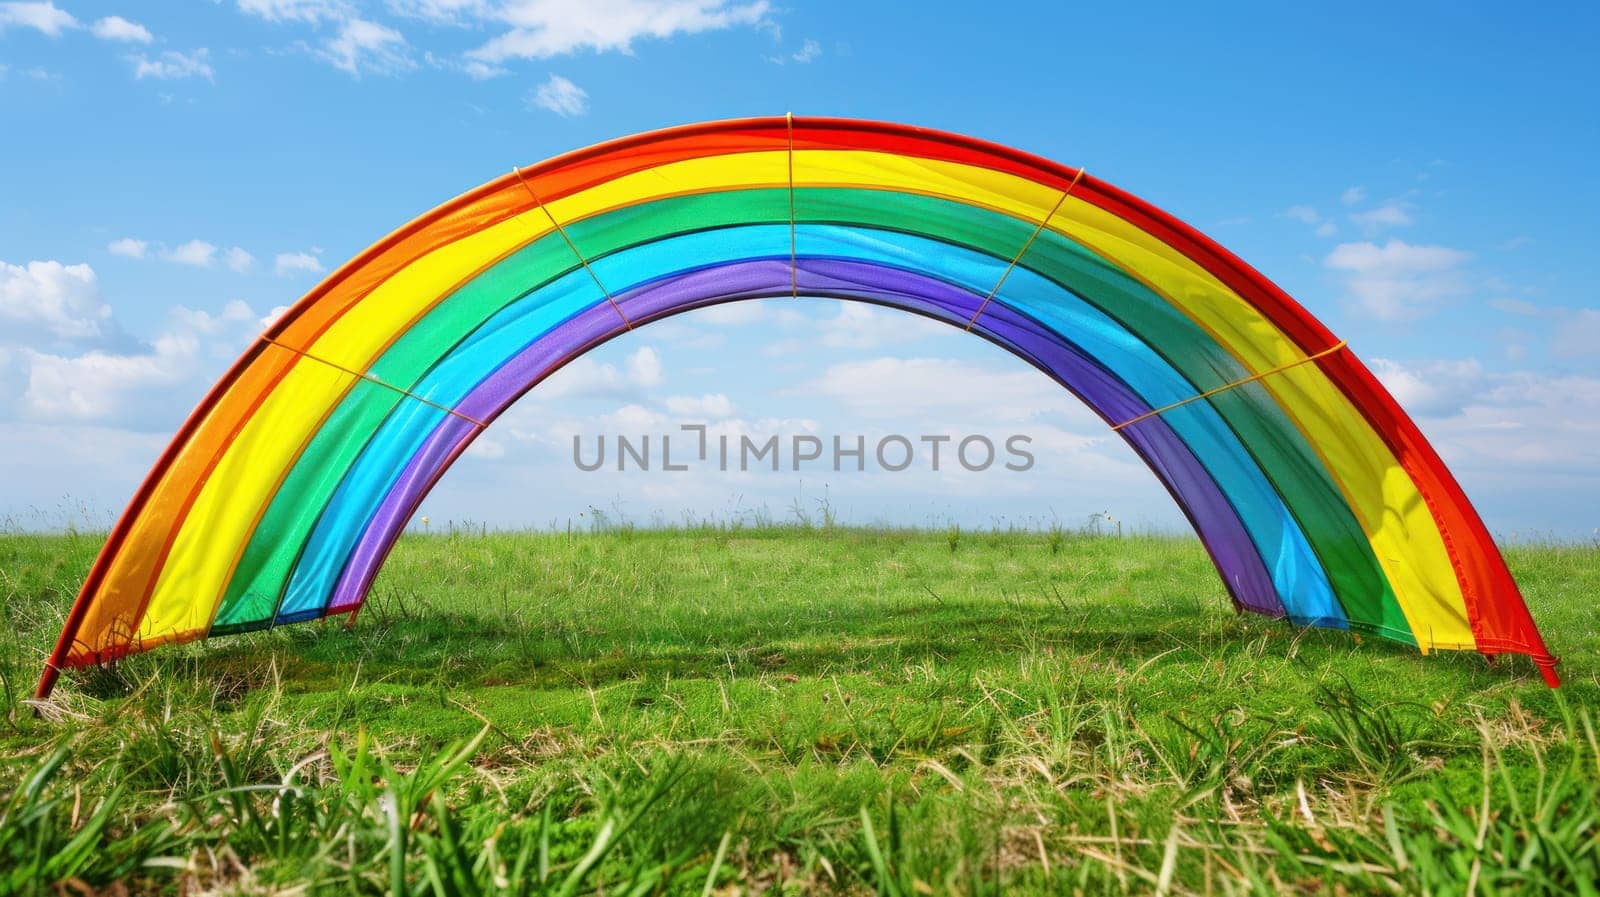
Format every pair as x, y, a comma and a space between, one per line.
1420, 176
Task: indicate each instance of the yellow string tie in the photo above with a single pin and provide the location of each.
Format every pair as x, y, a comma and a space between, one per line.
371, 379
571, 245
1227, 386
1024, 250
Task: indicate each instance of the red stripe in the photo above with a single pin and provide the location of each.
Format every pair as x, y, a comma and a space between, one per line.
1495, 606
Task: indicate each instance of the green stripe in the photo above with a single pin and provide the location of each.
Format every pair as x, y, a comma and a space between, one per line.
1285, 456
1277, 445
1290, 465
253, 593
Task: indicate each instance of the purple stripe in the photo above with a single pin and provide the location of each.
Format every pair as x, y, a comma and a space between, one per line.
1214, 518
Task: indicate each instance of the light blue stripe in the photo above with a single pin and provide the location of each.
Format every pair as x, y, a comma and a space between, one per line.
400, 437
1297, 574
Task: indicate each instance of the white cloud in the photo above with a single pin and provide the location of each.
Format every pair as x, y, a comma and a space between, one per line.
486, 448
541, 29
530, 29
359, 46
1393, 213
710, 405
561, 96
64, 357
128, 247
271, 317
587, 378
1070, 470
684, 336
93, 385
1353, 195
860, 326
482, 71
853, 325
644, 367
808, 51
105, 386
362, 46
732, 313
1079, 464
173, 65
926, 389
116, 28
1578, 335
1302, 214
288, 264
1531, 431
45, 18
306, 11
441, 12
1398, 280
49, 299
238, 260
197, 253
582, 377
1433, 388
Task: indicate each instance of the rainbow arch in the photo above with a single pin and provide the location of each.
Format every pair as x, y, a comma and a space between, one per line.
1318, 499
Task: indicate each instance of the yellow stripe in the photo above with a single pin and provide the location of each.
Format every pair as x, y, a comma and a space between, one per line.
1242, 381
215, 523
386, 385
1404, 537
219, 523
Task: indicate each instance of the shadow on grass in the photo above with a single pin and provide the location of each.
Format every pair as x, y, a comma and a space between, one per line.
954, 635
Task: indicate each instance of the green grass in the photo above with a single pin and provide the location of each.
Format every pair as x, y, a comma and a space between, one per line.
794, 710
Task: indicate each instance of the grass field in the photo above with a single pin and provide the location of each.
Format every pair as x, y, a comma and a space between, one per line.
793, 710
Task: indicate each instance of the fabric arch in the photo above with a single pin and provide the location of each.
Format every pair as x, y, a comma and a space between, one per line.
1316, 496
